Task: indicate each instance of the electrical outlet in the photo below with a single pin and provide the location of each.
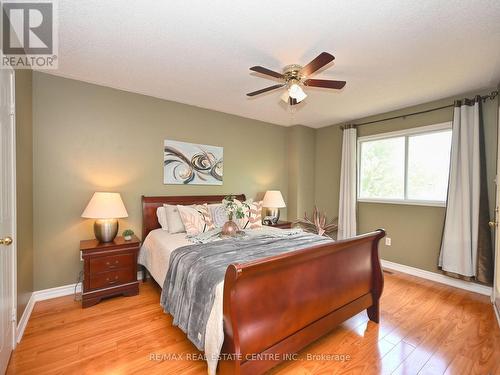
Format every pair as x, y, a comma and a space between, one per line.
388, 241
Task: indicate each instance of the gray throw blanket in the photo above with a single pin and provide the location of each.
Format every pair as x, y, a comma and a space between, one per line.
195, 271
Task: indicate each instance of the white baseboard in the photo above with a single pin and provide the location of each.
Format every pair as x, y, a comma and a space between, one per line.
497, 313
443, 279
44, 294
65, 290
23, 322
59, 291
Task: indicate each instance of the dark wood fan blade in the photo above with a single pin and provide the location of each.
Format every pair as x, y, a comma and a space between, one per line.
320, 61
267, 72
325, 83
274, 87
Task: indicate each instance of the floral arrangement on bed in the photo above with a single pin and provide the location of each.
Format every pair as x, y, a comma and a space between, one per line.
318, 224
234, 208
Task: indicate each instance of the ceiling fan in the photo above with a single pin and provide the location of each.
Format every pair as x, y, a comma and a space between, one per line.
294, 76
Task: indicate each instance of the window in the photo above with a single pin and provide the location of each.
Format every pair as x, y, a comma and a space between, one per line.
409, 167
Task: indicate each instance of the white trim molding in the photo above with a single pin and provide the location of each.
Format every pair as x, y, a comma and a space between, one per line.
497, 313
443, 279
59, 291
65, 290
45, 294
23, 322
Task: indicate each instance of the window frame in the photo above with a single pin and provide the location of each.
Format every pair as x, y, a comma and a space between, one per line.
421, 130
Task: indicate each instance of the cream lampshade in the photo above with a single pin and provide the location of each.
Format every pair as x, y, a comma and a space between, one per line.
273, 201
106, 208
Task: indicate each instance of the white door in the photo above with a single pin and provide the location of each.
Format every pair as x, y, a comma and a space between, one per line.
7, 216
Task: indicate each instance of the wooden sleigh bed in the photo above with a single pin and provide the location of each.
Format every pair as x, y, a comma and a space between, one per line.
276, 306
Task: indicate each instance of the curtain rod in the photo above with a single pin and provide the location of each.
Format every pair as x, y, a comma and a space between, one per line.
490, 96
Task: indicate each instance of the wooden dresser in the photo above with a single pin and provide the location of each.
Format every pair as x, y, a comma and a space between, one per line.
109, 269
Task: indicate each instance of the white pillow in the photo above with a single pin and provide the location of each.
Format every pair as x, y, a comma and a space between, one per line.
196, 219
161, 214
174, 221
218, 214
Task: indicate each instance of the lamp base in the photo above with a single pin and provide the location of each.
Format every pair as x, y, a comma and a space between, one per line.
272, 215
105, 230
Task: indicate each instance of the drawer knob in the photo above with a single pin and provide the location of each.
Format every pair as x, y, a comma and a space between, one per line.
108, 263
112, 281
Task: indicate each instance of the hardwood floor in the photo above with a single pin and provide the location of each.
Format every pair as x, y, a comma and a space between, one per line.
426, 328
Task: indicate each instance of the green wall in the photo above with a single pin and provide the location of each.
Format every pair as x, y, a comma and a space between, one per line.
89, 138
415, 230
327, 170
301, 168
24, 188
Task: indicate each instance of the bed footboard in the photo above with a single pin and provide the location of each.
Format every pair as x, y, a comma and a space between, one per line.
276, 306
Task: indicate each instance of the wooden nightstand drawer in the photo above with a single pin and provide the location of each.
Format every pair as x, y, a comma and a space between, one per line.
111, 263
109, 269
112, 278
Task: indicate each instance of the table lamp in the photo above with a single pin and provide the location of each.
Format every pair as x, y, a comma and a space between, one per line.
106, 208
273, 201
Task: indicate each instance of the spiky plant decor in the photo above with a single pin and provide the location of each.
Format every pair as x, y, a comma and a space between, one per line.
318, 224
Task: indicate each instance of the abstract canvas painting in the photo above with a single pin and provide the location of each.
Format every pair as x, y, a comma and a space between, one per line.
193, 164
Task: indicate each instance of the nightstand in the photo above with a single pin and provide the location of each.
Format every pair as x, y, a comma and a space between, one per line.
281, 224
109, 269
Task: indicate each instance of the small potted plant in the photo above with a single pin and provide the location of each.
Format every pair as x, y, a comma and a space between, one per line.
127, 234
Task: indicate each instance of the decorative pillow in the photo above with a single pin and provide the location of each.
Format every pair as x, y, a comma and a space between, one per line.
196, 219
161, 214
218, 214
253, 216
174, 221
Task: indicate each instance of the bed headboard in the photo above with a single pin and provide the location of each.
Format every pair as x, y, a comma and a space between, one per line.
150, 204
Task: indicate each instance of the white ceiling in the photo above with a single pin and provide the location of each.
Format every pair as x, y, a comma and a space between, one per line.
392, 53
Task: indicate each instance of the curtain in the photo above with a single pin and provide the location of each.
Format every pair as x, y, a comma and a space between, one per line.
347, 202
466, 247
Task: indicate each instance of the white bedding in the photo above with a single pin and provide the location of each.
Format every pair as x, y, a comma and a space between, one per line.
155, 256
156, 249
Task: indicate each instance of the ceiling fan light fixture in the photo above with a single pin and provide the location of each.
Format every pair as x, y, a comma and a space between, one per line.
296, 92
295, 76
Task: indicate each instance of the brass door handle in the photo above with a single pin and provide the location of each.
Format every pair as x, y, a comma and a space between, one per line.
492, 224
6, 241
